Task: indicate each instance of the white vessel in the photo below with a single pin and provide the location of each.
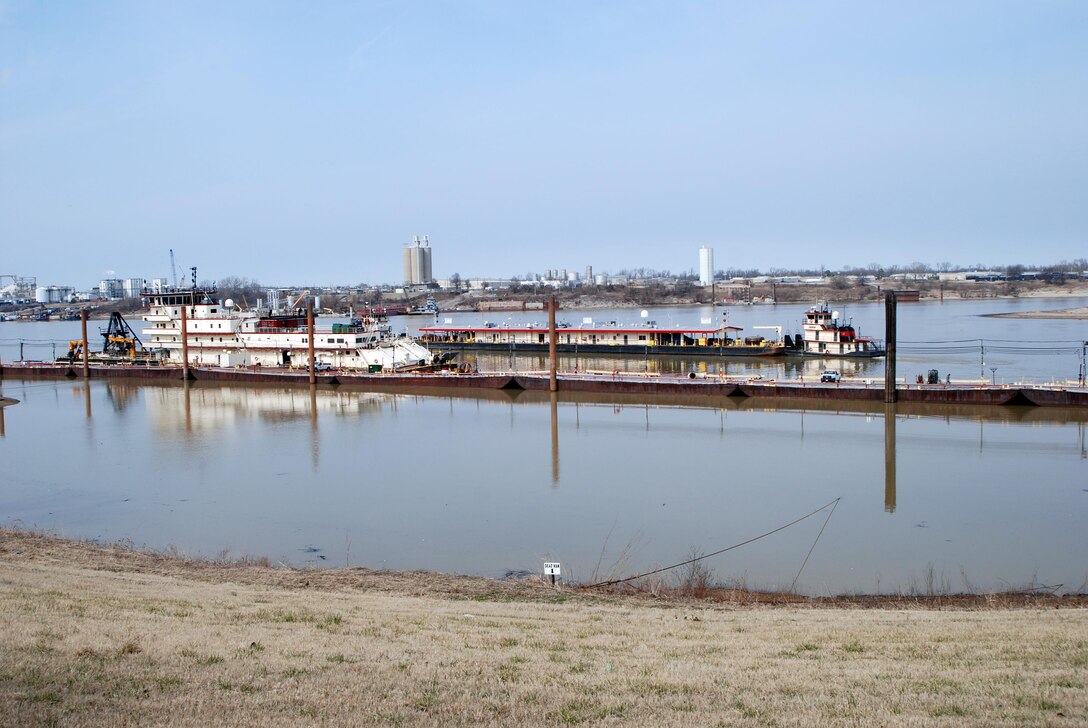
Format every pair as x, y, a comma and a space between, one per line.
219, 334
825, 336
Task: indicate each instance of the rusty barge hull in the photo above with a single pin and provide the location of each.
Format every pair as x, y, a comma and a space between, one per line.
652, 386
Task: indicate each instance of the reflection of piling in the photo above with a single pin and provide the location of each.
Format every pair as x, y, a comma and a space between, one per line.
555, 438
188, 409
889, 458
1, 420
553, 382
315, 441
310, 339
87, 399
890, 394
86, 360
184, 343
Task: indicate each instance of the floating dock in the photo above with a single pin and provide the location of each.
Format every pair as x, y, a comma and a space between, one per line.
614, 383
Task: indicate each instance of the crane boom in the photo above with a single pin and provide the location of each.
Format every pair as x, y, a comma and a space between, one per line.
173, 268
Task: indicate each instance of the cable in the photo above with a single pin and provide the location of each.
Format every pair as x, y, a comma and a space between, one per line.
811, 548
722, 551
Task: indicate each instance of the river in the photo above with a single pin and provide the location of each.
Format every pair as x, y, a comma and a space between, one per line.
937, 499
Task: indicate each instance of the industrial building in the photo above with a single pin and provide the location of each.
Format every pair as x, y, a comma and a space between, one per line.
417, 262
54, 294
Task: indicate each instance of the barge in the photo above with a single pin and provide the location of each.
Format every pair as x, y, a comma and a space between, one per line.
1073, 395
647, 340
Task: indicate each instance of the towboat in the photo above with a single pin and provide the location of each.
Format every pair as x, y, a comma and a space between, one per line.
823, 335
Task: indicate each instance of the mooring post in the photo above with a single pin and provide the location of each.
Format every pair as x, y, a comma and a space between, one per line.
86, 361
891, 396
553, 382
310, 339
184, 342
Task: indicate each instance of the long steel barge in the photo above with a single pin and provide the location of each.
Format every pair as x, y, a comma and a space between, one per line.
1056, 395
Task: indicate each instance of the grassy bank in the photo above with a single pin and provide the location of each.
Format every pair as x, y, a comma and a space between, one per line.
106, 636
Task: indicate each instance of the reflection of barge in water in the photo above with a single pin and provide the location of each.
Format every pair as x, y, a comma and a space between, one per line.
646, 340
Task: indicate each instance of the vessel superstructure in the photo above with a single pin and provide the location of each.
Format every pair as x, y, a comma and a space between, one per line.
220, 334
824, 335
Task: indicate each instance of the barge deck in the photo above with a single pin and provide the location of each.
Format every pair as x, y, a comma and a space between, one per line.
1027, 395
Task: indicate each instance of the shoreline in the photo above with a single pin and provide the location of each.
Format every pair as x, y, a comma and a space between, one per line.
99, 636
125, 558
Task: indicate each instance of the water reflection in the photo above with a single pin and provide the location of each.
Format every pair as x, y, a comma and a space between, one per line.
457, 481
207, 407
889, 458
554, 400
766, 368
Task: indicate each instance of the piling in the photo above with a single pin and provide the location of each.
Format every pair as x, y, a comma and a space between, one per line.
891, 396
310, 339
86, 360
184, 343
553, 381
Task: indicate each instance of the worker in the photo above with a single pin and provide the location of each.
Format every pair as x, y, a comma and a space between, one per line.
948, 378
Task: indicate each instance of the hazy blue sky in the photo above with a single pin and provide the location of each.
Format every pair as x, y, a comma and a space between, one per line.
308, 141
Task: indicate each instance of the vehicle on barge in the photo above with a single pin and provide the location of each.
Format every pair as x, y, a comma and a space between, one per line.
823, 335
220, 334
646, 340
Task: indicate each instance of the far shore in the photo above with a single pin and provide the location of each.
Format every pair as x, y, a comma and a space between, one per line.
103, 636
626, 297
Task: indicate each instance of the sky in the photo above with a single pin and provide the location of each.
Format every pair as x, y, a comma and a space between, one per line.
302, 142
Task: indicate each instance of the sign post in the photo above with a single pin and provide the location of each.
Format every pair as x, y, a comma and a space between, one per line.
551, 570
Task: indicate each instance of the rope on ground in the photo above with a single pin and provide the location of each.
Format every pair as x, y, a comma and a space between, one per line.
831, 505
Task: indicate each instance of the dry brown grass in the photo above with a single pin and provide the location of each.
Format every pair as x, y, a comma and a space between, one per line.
100, 636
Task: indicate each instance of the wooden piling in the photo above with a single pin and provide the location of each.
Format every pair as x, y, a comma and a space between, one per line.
891, 396
86, 353
310, 339
553, 380
184, 342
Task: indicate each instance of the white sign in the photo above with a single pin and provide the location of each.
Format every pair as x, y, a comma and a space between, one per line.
587, 320
705, 320
551, 568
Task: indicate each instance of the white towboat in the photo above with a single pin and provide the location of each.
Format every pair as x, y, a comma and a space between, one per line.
827, 337
219, 334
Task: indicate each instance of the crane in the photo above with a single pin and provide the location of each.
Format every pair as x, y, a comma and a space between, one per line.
300, 297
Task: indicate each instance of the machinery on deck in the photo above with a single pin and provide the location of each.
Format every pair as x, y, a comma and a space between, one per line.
120, 345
